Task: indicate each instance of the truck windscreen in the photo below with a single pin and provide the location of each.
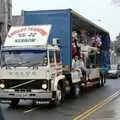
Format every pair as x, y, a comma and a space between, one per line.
20, 58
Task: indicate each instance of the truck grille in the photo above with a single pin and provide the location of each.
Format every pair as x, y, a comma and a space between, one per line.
23, 84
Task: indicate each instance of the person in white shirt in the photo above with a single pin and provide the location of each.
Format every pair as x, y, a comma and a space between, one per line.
75, 64
83, 68
76, 67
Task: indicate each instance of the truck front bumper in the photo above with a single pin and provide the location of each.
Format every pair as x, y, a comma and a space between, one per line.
42, 95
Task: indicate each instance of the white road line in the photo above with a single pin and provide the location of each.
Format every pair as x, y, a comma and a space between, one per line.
30, 110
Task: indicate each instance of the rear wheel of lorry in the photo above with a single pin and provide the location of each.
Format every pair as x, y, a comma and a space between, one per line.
99, 82
76, 90
14, 102
102, 80
67, 88
103, 77
59, 96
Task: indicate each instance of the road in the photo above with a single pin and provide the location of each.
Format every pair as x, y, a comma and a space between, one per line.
70, 109
111, 111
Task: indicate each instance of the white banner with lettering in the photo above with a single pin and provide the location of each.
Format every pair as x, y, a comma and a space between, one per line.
28, 35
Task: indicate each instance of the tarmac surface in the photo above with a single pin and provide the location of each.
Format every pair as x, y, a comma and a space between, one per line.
71, 108
111, 111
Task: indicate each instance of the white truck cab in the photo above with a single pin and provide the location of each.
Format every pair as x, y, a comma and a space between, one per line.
30, 67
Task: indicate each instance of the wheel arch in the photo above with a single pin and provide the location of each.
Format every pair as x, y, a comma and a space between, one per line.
59, 80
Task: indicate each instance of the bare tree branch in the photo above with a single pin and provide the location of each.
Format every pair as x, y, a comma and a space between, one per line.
117, 2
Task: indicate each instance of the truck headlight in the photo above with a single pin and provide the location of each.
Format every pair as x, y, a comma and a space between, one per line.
2, 85
44, 86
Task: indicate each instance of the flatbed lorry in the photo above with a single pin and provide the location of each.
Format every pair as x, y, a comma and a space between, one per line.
36, 58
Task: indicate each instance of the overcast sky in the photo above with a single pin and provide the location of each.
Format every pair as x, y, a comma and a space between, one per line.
103, 12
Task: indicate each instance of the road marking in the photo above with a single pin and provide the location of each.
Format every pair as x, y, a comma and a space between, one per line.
30, 110
97, 106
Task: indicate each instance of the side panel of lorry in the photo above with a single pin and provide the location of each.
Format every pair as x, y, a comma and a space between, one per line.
60, 21
63, 22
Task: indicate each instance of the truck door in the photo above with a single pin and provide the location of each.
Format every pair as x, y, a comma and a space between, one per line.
52, 62
58, 63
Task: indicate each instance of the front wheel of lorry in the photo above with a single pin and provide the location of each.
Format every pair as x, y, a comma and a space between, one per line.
59, 96
14, 102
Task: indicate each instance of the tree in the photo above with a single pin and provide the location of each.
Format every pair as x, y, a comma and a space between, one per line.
116, 45
117, 2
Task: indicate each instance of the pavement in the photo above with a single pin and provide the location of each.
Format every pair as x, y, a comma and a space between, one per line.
111, 111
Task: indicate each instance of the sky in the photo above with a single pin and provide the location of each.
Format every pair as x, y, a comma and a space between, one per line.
104, 13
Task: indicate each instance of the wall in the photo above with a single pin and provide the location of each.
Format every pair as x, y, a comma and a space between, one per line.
5, 18
17, 20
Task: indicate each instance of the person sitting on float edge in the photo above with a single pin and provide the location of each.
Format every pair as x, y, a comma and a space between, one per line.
75, 64
83, 68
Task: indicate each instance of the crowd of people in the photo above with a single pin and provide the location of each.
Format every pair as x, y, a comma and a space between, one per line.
79, 58
78, 64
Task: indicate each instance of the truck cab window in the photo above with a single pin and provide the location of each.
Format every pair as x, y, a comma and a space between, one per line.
51, 56
57, 54
24, 58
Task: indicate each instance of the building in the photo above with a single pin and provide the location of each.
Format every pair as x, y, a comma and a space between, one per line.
17, 20
114, 59
5, 18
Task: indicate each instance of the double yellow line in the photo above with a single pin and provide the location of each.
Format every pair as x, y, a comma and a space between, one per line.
90, 111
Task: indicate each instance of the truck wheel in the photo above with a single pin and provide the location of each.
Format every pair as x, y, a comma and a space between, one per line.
76, 90
14, 102
116, 77
59, 96
67, 88
99, 83
103, 80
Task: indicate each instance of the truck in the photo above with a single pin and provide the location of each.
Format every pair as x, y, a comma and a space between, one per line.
36, 58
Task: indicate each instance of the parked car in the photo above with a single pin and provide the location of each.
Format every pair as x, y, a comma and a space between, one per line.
114, 72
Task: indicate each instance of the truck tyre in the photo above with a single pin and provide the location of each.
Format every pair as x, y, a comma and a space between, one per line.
14, 102
67, 88
99, 83
76, 90
116, 77
59, 96
103, 80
